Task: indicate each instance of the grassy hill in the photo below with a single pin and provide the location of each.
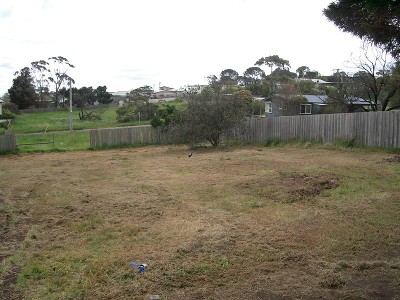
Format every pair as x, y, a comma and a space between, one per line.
59, 121
45, 131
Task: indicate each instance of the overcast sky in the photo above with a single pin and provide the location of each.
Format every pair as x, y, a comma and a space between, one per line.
124, 44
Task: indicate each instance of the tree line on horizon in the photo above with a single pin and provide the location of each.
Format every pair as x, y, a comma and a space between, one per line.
376, 79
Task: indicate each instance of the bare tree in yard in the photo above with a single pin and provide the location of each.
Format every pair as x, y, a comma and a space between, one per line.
288, 93
377, 79
211, 114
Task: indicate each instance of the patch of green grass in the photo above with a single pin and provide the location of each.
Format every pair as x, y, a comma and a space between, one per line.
62, 275
89, 224
59, 120
272, 143
223, 262
122, 146
65, 141
346, 143
102, 239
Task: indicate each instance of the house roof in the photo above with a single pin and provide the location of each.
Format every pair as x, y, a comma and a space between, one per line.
320, 81
358, 100
119, 93
316, 99
258, 98
165, 88
316, 80
322, 99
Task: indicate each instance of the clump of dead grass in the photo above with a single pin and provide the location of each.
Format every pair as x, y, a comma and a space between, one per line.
394, 159
332, 281
303, 185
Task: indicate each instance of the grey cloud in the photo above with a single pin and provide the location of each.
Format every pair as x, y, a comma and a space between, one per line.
6, 66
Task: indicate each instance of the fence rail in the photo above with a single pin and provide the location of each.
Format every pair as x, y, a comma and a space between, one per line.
7, 142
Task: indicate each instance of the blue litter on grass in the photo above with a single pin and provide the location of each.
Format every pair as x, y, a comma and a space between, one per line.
140, 267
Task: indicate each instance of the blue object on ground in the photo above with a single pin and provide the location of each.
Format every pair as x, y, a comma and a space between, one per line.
140, 267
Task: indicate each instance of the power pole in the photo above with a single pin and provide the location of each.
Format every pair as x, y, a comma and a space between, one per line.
70, 106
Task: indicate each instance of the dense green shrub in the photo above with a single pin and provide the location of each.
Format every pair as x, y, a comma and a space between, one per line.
133, 112
7, 114
164, 116
126, 113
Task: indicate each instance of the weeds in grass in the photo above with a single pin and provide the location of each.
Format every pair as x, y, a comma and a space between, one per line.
223, 262
272, 143
346, 143
91, 223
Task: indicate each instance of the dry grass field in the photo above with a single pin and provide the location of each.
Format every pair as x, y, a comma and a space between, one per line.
236, 223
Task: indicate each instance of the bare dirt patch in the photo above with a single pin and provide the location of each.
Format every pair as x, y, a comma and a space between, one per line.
218, 225
305, 185
394, 159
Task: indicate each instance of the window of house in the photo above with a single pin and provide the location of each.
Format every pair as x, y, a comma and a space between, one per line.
268, 107
305, 109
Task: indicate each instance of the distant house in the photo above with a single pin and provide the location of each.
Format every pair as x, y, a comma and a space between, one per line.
279, 105
118, 98
197, 88
166, 92
316, 81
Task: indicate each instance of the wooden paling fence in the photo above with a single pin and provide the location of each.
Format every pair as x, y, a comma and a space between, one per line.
372, 129
7, 142
127, 135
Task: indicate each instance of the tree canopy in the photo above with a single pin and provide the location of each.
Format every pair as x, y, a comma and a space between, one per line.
22, 91
88, 95
141, 94
273, 60
58, 68
252, 75
212, 114
375, 21
301, 71
229, 76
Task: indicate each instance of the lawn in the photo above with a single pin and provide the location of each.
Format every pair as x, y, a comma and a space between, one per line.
234, 223
59, 121
53, 141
